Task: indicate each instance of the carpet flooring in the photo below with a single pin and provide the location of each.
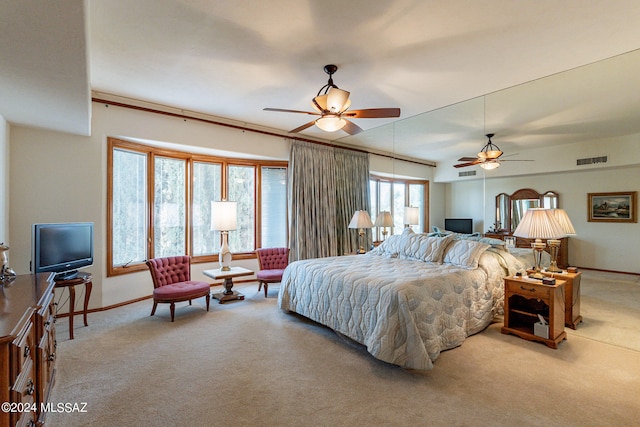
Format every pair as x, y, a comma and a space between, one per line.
247, 363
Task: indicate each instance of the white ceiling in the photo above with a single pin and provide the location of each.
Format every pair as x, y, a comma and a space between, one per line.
232, 59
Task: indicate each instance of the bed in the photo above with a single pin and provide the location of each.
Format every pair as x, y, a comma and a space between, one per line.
409, 299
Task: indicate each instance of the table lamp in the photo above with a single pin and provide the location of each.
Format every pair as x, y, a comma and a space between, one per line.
224, 218
384, 220
411, 216
361, 220
554, 244
538, 224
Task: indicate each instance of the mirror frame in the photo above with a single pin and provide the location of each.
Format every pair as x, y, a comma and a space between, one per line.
521, 194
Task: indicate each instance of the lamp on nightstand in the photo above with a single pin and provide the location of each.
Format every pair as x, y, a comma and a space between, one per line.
361, 220
539, 224
554, 244
384, 220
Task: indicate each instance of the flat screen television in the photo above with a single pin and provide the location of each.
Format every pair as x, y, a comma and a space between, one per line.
459, 225
62, 248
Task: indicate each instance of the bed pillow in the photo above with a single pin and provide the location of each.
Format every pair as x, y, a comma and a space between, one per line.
392, 246
426, 248
465, 253
495, 243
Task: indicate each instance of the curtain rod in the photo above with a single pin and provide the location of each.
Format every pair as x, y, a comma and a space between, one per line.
243, 128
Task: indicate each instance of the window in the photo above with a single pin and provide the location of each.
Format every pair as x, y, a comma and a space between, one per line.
393, 195
129, 205
274, 207
160, 205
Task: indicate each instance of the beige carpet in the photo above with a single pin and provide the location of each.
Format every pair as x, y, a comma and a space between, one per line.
247, 363
610, 306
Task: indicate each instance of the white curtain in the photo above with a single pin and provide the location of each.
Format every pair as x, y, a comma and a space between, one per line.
327, 185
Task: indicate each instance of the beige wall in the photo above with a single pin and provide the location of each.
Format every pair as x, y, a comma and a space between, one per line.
605, 246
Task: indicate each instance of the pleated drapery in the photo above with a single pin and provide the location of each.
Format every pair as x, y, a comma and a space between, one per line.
327, 185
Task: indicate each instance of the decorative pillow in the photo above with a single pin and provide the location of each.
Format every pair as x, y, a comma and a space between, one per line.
425, 248
393, 244
465, 253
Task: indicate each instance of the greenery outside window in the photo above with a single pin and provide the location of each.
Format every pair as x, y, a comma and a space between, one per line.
160, 204
393, 195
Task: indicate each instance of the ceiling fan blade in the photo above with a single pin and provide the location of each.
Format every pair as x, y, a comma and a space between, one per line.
372, 113
462, 165
281, 110
303, 127
514, 160
351, 128
467, 159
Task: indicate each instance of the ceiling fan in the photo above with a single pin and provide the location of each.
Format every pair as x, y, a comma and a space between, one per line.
487, 158
332, 104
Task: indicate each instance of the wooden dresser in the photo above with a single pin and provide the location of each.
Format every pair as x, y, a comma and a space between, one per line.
563, 252
27, 348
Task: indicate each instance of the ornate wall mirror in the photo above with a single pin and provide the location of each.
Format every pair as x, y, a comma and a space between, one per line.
511, 208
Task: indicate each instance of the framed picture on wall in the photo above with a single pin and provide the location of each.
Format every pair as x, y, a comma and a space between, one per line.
612, 207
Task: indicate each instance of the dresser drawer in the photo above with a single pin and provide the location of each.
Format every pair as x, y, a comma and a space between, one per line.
527, 289
47, 312
22, 351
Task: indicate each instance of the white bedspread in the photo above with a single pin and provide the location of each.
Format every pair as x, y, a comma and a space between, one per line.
404, 311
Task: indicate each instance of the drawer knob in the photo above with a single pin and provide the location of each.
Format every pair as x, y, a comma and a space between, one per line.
527, 289
27, 351
52, 357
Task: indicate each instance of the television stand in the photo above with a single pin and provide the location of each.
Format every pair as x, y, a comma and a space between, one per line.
81, 279
67, 275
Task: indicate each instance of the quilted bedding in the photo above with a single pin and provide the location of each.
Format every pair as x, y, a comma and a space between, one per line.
403, 309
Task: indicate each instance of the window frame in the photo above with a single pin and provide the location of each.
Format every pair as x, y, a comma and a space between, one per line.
151, 153
377, 234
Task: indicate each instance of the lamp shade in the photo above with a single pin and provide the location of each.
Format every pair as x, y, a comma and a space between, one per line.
361, 219
337, 100
384, 219
224, 215
563, 219
330, 123
539, 223
490, 165
411, 215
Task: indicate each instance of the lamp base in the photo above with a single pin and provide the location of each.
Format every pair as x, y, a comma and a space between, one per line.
538, 248
554, 246
225, 253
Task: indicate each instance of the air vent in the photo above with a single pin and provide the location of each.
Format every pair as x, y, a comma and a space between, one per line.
591, 160
466, 173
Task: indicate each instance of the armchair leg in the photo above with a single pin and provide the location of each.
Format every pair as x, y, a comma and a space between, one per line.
208, 298
173, 310
153, 310
266, 286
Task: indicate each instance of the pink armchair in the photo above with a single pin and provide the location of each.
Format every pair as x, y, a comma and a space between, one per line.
172, 282
272, 263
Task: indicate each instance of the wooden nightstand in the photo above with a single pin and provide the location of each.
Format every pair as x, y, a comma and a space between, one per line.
571, 296
524, 300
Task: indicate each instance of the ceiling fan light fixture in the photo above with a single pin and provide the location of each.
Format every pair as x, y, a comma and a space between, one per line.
320, 103
331, 123
490, 165
337, 100
490, 151
490, 154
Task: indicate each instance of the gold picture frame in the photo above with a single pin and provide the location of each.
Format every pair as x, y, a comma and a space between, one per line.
612, 207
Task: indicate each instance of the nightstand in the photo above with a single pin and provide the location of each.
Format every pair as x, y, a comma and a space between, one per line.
571, 296
524, 300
